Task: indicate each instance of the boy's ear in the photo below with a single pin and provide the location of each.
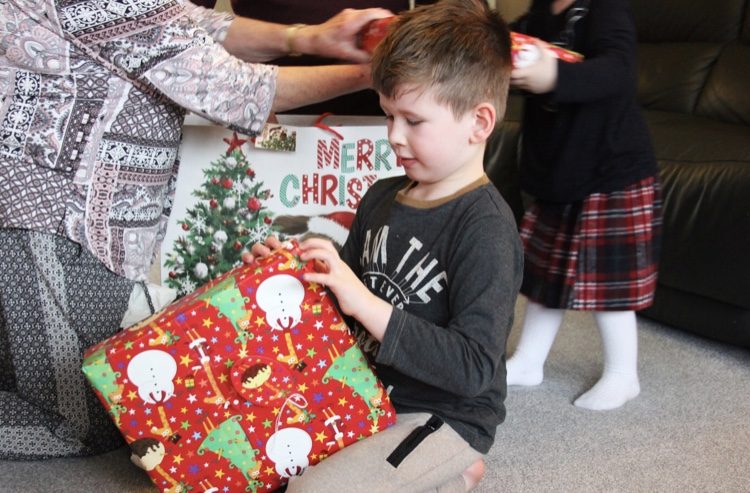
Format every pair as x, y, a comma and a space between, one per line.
484, 122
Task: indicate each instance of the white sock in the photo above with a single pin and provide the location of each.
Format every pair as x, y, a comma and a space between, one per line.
540, 326
619, 381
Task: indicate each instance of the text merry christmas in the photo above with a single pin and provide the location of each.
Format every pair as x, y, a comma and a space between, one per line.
351, 168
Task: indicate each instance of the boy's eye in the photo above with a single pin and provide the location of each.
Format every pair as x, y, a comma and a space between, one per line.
413, 122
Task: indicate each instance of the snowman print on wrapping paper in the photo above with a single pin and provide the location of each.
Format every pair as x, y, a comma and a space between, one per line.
280, 297
288, 449
152, 371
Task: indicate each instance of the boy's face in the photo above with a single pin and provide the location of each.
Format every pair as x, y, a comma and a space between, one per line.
434, 147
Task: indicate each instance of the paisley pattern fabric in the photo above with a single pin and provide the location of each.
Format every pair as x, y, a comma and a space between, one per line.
93, 95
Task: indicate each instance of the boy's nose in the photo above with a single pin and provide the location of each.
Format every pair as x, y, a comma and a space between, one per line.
396, 135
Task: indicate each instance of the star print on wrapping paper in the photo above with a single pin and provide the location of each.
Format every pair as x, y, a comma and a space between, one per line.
217, 368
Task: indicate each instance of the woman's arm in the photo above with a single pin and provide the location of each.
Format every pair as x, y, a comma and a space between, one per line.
299, 86
258, 41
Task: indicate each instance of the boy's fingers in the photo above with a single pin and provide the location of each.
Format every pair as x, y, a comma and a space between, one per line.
260, 250
313, 243
273, 242
247, 258
321, 266
316, 277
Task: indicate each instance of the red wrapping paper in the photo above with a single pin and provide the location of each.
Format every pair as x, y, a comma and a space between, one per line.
241, 384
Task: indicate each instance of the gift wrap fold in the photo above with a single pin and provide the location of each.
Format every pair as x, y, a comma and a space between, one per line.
240, 385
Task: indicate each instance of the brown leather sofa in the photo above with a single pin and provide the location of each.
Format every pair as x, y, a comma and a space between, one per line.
694, 85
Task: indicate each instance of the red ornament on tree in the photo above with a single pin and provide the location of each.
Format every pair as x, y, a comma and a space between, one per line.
253, 204
227, 183
237, 245
185, 227
250, 172
215, 181
172, 274
267, 220
213, 203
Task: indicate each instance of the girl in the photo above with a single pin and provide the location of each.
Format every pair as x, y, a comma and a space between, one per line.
591, 234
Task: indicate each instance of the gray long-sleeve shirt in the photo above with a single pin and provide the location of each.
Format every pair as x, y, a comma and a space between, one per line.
452, 269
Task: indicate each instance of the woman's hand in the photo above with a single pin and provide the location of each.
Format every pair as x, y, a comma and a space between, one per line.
337, 37
539, 77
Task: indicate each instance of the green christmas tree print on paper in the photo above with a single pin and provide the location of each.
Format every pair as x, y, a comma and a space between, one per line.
229, 442
228, 218
351, 369
228, 300
102, 376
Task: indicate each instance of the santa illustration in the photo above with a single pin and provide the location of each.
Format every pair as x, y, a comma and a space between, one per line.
334, 226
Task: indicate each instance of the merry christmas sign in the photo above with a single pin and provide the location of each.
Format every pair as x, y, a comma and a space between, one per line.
241, 384
294, 179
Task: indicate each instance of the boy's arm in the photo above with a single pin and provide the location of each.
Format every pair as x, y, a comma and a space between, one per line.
464, 356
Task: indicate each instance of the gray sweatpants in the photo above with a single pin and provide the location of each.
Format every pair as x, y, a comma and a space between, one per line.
435, 465
56, 300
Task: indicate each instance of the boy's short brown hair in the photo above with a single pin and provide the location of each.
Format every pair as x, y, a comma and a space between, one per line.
459, 48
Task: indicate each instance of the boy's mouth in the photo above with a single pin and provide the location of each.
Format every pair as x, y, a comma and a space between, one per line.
405, 161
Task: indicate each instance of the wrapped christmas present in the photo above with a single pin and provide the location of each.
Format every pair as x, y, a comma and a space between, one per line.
525, 50
240, 385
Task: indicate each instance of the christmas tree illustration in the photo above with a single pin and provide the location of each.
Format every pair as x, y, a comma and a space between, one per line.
228, 441
228, 218
352, 370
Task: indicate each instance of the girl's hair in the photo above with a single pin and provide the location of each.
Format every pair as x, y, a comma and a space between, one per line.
458, 48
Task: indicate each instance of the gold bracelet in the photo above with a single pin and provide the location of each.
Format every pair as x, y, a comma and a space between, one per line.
290, 32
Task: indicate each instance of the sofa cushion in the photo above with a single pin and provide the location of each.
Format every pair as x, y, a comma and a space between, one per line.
687, 138
681, 20
726, 96
671, 75
705, 172
705, 316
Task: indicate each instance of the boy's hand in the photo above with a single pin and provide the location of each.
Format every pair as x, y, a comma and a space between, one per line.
334, 274
540, 77
353, 296
260, 250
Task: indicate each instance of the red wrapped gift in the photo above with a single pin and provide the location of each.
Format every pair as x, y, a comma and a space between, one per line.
525, 52
241, 384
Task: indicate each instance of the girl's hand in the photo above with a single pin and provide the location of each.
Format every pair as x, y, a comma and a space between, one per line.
540, 77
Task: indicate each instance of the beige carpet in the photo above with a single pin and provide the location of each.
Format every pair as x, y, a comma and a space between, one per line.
688, 431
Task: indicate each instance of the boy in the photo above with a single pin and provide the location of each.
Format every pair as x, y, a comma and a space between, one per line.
432, 267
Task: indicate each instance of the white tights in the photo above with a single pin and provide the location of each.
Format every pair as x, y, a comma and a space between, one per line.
619, 381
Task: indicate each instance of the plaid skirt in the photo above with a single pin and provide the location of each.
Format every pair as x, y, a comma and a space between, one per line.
597, 254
